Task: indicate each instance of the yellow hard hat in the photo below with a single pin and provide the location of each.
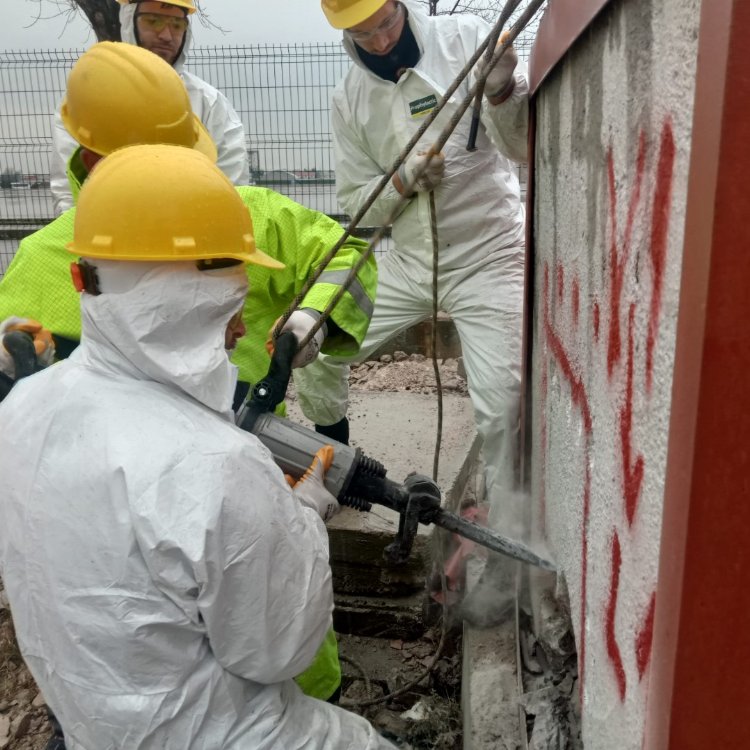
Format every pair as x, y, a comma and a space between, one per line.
343, 14
162, 203
188, 5
120, 95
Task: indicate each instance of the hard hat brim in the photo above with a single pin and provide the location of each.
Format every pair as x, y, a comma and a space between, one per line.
188, 6
204, 143
259, 258
353, 15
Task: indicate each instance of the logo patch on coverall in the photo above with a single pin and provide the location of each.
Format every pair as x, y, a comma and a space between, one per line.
422, 107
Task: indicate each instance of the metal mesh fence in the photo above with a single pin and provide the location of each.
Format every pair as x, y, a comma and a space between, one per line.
281, 92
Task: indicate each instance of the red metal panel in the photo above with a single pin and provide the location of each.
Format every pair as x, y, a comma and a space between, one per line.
699, 686
563, 22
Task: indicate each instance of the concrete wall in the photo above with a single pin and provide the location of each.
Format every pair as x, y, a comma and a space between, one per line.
612, 156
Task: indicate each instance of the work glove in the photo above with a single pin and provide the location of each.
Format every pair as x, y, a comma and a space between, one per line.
500, 79
300, 323
44, 345
431, 176
310, 489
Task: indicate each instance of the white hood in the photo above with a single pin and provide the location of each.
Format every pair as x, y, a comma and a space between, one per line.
127, 32
165, 322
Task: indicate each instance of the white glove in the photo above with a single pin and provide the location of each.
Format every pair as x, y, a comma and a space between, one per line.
500, 77
44, 345
430, 177
310, 489
300, 323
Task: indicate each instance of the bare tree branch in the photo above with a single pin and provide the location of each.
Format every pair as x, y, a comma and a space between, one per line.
103, 16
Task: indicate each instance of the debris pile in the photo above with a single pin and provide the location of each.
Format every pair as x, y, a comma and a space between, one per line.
23, 716
407, 372
378, 677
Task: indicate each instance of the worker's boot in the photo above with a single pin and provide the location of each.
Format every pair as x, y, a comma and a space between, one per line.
57, 740
338, 431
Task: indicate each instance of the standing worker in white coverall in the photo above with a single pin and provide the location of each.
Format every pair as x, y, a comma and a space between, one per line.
165, 581
164, 29
403, 63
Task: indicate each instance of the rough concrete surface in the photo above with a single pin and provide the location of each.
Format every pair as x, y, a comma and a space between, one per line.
490, 689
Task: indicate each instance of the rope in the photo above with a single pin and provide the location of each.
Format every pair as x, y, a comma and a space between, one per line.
433, 337
517, 28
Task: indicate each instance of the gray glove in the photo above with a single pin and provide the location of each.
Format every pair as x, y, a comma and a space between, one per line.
310, 488
431, 176
499, 79
300, 323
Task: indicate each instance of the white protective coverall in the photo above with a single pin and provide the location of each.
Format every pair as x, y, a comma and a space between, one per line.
210, 106
165, 582
480, 223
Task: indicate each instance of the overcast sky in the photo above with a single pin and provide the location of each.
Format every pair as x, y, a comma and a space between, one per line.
245, 22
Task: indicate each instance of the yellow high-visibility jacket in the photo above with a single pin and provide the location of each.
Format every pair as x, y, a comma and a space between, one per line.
37, 283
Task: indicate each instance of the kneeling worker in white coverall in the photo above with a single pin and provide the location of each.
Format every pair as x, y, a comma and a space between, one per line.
165, 582
404, 61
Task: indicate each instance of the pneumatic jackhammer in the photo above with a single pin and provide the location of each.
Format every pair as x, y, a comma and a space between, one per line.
354, 479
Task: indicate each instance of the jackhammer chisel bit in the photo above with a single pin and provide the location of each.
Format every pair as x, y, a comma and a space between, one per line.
356, 480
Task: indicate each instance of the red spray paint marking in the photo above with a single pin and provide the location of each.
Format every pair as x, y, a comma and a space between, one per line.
618, 259
632, 472
658, 249
575, 293
577, 390
645, 638
579, 397
613, 649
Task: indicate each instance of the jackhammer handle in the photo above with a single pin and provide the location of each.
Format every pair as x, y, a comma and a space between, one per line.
474, 129
20, 346
269, 392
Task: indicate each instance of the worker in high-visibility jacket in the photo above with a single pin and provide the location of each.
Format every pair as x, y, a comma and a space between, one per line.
164, 28
37, 283
166, 583
403, 62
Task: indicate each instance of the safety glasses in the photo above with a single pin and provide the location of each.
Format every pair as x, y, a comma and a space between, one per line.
387, 26
157, 23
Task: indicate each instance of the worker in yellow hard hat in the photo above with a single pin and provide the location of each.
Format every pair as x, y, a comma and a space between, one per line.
404, 61
164, 29
161, 27
165, 581
37, 284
